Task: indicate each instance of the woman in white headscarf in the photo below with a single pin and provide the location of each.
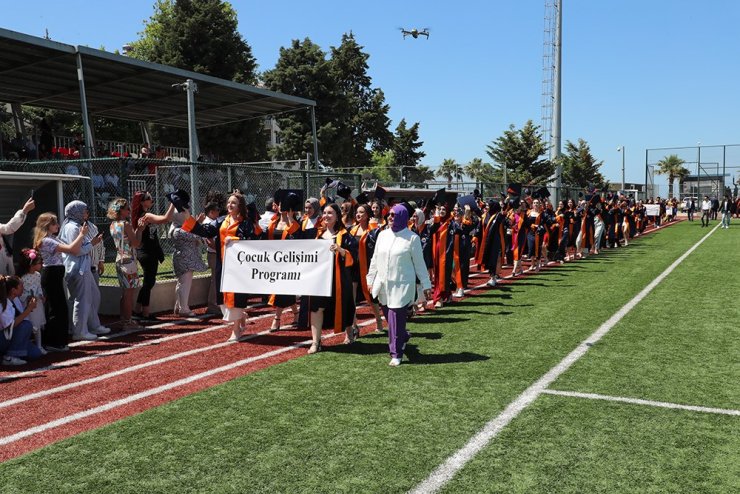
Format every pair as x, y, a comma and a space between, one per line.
78, 273
186, 259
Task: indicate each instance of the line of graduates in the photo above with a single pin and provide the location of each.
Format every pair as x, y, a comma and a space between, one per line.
453, 232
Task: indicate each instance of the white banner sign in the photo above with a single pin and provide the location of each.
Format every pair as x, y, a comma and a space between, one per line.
652, 209
282, 267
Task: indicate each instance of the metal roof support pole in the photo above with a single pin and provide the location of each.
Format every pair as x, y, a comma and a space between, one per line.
87, 152
315, 141
191, 87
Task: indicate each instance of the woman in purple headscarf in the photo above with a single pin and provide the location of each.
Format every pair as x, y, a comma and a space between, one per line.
397, 263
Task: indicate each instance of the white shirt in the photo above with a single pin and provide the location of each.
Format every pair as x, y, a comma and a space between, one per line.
706, 205
397, 262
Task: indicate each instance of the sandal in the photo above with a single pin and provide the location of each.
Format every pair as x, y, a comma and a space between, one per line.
315, 348
275, 324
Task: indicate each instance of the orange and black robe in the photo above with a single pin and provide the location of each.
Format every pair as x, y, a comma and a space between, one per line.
493, 242
534, 227
424, 234
339, 308
365, 250
462, 250
225, 227
273, 233
518, 235
587, 228
443, 247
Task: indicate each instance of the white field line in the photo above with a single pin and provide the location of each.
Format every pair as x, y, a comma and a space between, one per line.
444, 473
637, 401
158, 390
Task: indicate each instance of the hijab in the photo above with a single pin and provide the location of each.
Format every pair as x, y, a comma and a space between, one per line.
420, 217
400, 218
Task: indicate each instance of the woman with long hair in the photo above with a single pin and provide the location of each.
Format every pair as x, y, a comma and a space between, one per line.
240, 223
338, 310
310, 223
126, 238
365, 237
149, 253
443, 242
493, 242
55, 334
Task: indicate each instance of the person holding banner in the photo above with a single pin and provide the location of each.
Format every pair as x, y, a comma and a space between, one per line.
338, 310
397, 263
365, 236
284, 226
240, 223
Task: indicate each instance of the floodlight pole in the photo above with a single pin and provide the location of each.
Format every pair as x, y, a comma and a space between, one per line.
556, 132
621, 148
191, 88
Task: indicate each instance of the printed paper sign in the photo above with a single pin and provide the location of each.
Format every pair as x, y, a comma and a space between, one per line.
281, 267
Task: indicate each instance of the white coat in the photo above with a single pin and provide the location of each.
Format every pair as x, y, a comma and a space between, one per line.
397, 262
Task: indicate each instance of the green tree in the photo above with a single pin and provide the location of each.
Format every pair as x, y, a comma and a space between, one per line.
672, 166
521, 152
450, 170
382, 168
202, 36
302, 70
406, 148
478, 171
361, 112
580, 167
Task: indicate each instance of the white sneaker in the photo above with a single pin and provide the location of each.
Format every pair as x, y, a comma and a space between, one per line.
13, 361
84, 337
459, 293
438, 305
100, 330
491, 283
395, 362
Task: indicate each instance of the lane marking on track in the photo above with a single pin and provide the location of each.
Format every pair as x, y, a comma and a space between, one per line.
159, 389
444, 473
637, 401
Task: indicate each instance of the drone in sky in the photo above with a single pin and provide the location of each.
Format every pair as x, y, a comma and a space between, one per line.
415, 33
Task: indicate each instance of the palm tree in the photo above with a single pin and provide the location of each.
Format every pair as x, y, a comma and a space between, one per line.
449, 170
474, 170
672, 166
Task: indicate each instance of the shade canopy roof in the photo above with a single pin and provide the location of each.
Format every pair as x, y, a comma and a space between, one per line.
39, 72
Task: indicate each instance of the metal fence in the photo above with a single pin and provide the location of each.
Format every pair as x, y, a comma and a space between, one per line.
714, 171
115, 177
490, 190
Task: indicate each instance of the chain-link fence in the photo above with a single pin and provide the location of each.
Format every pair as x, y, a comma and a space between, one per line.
714, 171
490, 190
114, 177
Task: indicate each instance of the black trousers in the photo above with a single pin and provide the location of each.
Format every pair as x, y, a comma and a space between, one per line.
149, 264
56, 331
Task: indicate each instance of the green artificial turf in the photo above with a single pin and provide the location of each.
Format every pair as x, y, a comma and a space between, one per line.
343, 421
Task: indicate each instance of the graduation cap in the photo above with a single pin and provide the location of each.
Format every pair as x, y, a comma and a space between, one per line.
580, 195
494, 206
180, 199
471, 202
379, 192
439, 196
362, 198
450, 198
594, 200
476, 193
514, 190
527, 191
541, 193
289, 199
344, 191
514, 202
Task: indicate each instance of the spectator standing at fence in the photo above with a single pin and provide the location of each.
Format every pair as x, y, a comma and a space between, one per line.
9, 228
706, 206
726, 210
271, 212
126, 238
78, 273
145, 152
56, 331
396, 265
97, 266
16, 346
212, 213
186, 259
149, 252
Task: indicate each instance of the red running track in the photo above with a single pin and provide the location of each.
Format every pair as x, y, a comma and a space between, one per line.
100, 382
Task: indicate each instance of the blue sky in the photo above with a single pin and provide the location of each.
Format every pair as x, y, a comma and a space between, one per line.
640, 74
